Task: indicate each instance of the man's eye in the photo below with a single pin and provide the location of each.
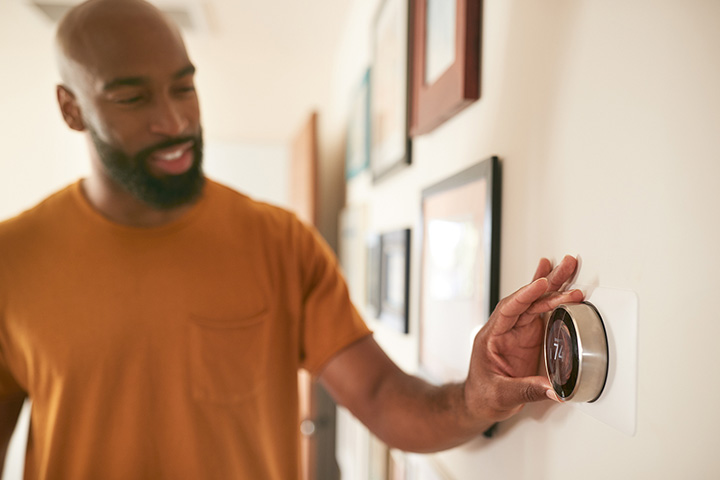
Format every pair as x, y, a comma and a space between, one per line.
186, 89
128, 100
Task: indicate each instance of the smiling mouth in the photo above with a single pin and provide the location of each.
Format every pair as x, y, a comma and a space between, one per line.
173, 160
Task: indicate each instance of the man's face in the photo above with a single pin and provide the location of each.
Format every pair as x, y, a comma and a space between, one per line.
134, 88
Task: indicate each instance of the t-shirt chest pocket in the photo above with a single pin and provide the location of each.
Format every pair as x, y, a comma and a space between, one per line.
227, 355
229, 323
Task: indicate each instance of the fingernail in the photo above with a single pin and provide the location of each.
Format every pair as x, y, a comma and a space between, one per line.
552, 396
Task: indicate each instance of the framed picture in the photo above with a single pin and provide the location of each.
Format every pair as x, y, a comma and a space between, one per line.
357, 155
424, 467
395, 279
352, 446
460, 267
352, 250
397, 466
390, 142
446, 60
378, 459
372, 291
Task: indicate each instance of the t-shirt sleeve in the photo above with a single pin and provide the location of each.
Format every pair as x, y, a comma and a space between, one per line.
330, 322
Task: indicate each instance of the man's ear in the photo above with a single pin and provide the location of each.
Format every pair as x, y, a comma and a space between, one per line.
69, 108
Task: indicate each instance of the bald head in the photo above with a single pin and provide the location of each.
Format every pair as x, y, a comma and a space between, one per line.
102, 42
100, 30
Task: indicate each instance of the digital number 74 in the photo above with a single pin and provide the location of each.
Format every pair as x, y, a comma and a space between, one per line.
558, 349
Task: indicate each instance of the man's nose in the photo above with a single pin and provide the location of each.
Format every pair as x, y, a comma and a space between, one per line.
169, 118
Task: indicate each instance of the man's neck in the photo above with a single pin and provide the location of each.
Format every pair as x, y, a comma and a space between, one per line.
120, 206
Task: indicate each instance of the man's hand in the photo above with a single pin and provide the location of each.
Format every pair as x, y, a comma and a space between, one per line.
409, 413
506, 352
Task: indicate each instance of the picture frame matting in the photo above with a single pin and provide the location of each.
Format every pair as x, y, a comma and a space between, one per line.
459, 267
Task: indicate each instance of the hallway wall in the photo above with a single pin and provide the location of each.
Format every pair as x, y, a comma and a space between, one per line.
605, 115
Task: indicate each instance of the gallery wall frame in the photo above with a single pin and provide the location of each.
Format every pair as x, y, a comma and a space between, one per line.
372, 289
425, 467
395, 279
378, 459
446, 60
397, 465
352, 447
357, 152
460, 259
390, 148
352, 250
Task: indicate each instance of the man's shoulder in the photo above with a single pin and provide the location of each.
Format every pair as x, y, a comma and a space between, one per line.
241, 205
44, 214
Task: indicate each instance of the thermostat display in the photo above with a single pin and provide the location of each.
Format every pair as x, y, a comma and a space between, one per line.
576, 352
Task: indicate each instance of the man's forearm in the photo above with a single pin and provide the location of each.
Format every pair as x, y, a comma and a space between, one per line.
402, 410
420, 417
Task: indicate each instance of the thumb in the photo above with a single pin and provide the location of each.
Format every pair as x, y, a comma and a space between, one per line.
520, 391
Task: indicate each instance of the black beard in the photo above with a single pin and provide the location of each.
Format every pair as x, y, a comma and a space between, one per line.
132, 173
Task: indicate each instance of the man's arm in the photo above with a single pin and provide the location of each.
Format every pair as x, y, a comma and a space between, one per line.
10, 407
408, 413
402, 410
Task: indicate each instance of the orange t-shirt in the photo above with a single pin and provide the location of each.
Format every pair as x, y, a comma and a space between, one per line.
167, 352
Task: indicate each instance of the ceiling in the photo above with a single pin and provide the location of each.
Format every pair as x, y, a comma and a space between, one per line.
263, 66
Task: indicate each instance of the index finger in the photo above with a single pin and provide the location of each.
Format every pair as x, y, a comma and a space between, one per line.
518, 303
543, 269
562, 273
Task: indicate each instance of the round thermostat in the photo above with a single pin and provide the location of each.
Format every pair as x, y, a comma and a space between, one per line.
576, 352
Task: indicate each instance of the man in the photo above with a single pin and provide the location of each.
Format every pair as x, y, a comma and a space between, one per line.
157, 320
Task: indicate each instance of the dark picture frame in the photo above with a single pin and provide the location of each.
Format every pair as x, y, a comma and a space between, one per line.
395, 279
460, 244
389, 89
372, 291
453, 73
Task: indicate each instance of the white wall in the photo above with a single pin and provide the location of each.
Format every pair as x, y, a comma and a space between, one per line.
605, 115
38, 155
258, 170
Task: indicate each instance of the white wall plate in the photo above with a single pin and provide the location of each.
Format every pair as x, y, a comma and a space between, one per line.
617, 406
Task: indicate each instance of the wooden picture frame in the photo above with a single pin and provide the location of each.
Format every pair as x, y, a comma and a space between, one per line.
304, 171
446, 60
395, 279
389, 89
460, 237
